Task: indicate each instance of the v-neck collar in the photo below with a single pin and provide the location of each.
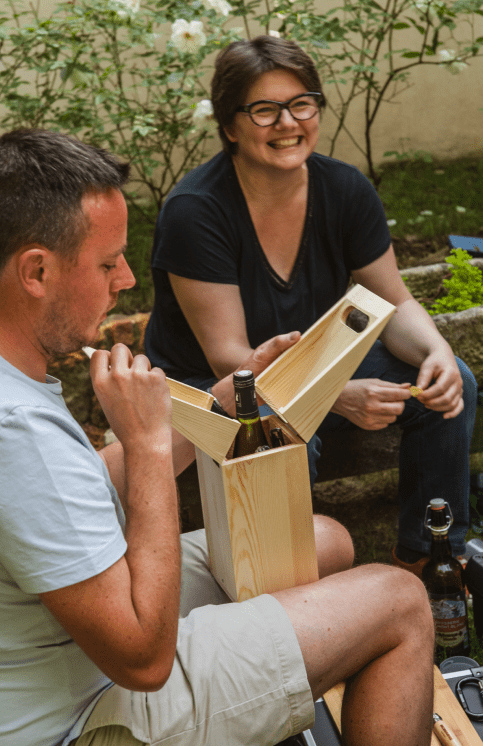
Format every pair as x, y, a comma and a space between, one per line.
279, 281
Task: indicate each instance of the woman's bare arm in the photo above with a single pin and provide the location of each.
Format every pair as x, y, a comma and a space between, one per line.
216, 317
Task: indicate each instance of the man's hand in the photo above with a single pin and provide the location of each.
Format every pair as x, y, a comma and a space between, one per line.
370, 403
259, 359
446, 393
134, 397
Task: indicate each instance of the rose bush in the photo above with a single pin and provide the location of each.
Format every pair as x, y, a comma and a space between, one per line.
133, 75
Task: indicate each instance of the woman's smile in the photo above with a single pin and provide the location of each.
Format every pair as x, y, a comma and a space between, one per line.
286, 142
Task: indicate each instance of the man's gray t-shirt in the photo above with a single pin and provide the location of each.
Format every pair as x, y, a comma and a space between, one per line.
61, 522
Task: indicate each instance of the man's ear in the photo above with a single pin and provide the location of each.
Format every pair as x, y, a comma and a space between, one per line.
33, 266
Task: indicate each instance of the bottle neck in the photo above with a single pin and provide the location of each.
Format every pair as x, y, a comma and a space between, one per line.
440, 546
246, 404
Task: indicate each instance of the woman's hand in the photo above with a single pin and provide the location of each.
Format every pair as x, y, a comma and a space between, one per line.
411, 335
257, 361
446, 393
370, 403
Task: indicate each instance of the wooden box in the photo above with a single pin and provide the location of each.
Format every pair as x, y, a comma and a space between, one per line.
257, 509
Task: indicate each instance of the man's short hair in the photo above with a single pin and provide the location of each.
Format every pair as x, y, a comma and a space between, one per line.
241, 63
43, 178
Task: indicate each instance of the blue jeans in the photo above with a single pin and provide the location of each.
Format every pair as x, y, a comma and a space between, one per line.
434, 452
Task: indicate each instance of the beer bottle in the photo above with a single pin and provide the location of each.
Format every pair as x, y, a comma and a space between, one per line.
442, 576
251, 434
276, 437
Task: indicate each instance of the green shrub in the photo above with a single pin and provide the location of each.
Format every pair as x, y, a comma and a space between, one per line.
464, 289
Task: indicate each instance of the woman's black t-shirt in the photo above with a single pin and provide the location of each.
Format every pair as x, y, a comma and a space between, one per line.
204, 232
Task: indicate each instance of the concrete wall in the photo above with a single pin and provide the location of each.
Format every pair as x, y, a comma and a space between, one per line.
440, 113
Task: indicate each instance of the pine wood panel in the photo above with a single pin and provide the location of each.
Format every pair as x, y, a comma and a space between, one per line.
192, 418
215, 520
189, 394
259, 520
303, 383
445, 704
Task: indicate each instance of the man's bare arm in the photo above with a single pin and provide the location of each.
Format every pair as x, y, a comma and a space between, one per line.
125, 618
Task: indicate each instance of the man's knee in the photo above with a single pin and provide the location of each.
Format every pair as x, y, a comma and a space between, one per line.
335, 550
407, 599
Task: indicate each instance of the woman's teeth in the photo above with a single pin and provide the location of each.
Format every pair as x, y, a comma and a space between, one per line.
287, 143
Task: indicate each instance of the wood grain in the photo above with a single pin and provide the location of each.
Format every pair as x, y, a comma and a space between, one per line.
445, 704
192, 418
304, 382
258, 517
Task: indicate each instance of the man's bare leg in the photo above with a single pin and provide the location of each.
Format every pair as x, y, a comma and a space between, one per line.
373, 627
333, 545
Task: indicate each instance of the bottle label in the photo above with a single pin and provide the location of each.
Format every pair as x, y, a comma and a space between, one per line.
450, 620
245, 421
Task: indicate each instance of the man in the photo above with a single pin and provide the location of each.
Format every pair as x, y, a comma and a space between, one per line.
112, 633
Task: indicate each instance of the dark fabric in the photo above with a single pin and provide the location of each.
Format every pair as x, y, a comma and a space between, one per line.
205, 232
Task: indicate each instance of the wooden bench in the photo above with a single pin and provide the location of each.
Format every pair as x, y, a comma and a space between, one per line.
445, 704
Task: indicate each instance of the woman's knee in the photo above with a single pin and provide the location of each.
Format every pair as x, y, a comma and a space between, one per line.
333, 543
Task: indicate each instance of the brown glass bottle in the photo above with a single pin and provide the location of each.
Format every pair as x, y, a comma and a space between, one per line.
251, 434
442, 576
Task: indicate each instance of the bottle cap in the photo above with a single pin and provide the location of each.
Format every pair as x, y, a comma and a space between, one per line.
243, 378
438, 522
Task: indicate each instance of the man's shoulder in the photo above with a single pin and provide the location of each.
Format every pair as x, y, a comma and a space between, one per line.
26, 403
20, 390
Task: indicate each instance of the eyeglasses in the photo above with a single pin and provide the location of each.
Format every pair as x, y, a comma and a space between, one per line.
265, 113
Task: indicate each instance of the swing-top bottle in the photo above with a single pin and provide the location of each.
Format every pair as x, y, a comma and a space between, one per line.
442, 576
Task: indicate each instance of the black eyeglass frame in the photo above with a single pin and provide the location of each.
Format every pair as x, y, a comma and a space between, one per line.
282, 105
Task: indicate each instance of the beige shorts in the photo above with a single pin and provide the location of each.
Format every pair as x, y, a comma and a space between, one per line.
238, 678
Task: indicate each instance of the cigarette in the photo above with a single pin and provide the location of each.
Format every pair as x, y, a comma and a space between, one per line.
415, 390
444, 734
89, 351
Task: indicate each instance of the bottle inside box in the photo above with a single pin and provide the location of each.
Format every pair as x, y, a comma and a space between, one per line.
268, 423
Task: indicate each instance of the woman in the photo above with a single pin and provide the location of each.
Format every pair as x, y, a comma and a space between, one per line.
264, 238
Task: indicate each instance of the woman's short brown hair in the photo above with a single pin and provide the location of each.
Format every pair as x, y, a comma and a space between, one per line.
239, 65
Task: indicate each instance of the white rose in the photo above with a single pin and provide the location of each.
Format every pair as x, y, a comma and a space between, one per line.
187, 37
447, 55
275, 34
130, 6
221, 6
203, 111
457, 67
429, 6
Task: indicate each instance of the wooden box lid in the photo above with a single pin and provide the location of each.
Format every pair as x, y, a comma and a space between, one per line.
303, 383
192, 417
